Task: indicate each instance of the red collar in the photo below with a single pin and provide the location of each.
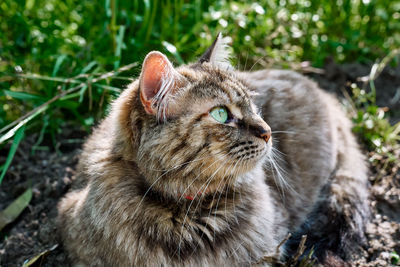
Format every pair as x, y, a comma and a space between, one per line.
190, 197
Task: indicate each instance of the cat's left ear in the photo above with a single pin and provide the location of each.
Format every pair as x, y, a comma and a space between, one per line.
218, 54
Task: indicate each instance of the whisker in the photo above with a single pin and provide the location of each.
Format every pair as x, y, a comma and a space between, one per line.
197, 177
191, 203
288, 132
281, 177
185, 163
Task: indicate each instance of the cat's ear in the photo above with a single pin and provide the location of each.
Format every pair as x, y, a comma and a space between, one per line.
218, 53
158, 83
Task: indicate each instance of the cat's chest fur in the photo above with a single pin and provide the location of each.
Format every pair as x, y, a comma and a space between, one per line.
229, 227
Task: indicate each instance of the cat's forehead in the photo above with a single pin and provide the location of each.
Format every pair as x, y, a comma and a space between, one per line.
207, 82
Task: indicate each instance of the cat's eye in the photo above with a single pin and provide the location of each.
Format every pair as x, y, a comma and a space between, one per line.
219, 114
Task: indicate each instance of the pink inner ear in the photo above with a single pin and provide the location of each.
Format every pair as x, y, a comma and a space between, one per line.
153, 71
155, 67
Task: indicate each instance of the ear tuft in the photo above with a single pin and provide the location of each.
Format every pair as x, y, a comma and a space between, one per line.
218, 54
158, 82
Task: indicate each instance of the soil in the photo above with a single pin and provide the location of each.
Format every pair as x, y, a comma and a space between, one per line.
50, 174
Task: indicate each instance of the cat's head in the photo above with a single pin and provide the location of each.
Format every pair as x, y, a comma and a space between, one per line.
199, 127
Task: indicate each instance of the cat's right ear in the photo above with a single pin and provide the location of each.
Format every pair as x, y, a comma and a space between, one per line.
158, 82
218, 53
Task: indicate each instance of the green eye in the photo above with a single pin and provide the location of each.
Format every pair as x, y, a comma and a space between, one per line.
220, 114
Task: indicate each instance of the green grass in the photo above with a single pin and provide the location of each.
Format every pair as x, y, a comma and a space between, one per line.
53, 53
370, 121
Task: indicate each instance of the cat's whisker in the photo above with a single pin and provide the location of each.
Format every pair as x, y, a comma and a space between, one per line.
287, 132
230, 177
145, 194
184, 163
257, 61
234, 212
197, 177
209, 213
191, 203
279, 154
276, 181
245, 63
220, 183
148, 190
219, 198
281, 177
235, 169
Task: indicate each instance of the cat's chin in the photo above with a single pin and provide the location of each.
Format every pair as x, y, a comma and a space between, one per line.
252, 163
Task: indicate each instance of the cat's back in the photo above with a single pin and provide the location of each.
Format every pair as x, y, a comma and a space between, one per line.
304, 130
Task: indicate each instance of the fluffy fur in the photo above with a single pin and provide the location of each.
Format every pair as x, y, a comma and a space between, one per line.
190, 191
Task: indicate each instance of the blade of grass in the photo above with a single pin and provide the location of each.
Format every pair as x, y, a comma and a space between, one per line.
58, 64
17, 139
41, 134
35, 260
146, 18
21, 122
108, 87
377, 68
172, 49
82, 93
120, 42
23, 95
89, 66
113, 26
12, 212
151, 21
48, 78
69, 96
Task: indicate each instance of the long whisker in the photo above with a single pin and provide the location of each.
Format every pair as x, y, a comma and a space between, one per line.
219, 198
148, 190
235, 170
217, 190
191, 203
198, 176
185, 163
281, 173
288, 132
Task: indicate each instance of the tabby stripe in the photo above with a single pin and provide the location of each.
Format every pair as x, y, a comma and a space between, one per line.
239, 91
186, 135
226, 91
191, 157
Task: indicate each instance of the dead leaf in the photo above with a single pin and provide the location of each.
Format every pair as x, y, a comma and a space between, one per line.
10, 213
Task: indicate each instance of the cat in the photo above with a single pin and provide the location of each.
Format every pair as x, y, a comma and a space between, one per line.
186, 171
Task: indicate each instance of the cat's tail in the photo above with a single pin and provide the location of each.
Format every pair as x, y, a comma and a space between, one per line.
336, 227
347, 196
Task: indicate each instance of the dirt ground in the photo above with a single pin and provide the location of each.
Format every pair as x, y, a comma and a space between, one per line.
50, 174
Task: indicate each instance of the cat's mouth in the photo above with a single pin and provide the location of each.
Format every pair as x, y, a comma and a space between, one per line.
248, 150
247, 154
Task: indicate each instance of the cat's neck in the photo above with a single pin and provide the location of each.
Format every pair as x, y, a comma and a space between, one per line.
207, 190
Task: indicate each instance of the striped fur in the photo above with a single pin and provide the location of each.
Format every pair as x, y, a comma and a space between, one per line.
131, 209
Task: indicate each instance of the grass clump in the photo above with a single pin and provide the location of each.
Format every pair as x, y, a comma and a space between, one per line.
371, 122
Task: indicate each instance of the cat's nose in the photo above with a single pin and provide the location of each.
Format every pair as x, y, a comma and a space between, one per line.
266, 135
261, 130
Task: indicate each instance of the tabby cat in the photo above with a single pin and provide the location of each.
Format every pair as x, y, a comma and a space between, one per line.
185, 170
